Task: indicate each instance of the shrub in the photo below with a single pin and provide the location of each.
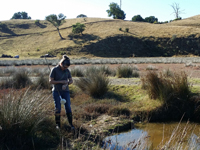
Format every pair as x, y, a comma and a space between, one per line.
125, 71
78, 28
37, 22
166, 88
94, 84
3, 27
127, 29
120, 29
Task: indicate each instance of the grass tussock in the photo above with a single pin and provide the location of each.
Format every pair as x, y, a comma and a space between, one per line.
77, 72
22, 114
99, 69
17, 81
175, 94
166, 87
127, 71
94, 84
42, 82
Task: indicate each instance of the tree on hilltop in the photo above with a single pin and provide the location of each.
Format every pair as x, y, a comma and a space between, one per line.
151, 19
21, 15
116, 11
137, 18
81, 16
56, 21
176, 10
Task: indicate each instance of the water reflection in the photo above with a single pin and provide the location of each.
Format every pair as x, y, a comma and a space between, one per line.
156, 135
126, 141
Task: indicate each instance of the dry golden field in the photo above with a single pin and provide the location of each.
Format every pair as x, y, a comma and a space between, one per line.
28, 40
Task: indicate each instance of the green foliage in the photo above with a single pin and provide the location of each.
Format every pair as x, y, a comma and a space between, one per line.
21, 15
94, 84
151, 19
78, 28
56, 21
127, 29
177, 19
120, 29
81, 16
116, 11
37, 22
137, 18
124, 71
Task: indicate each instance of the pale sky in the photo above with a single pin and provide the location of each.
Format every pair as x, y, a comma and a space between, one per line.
39, 9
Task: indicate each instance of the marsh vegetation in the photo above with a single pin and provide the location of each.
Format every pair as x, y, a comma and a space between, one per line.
161, 95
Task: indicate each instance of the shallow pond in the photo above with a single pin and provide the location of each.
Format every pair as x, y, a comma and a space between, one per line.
155, 136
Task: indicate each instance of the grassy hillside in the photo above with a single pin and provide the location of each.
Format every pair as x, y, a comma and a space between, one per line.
101, 38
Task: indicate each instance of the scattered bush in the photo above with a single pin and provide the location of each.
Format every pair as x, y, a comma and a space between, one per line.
37, 22
127, 29
120, 29
94, 84
3, 27
78, 28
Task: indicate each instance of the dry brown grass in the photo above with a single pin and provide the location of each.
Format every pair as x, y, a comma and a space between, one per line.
33, 41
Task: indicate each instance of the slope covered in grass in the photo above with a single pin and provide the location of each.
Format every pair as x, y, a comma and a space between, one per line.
101, 38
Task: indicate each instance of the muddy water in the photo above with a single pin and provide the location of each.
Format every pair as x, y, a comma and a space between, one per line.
155, 135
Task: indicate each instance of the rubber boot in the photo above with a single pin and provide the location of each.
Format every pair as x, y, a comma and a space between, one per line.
69, 117
57, 119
